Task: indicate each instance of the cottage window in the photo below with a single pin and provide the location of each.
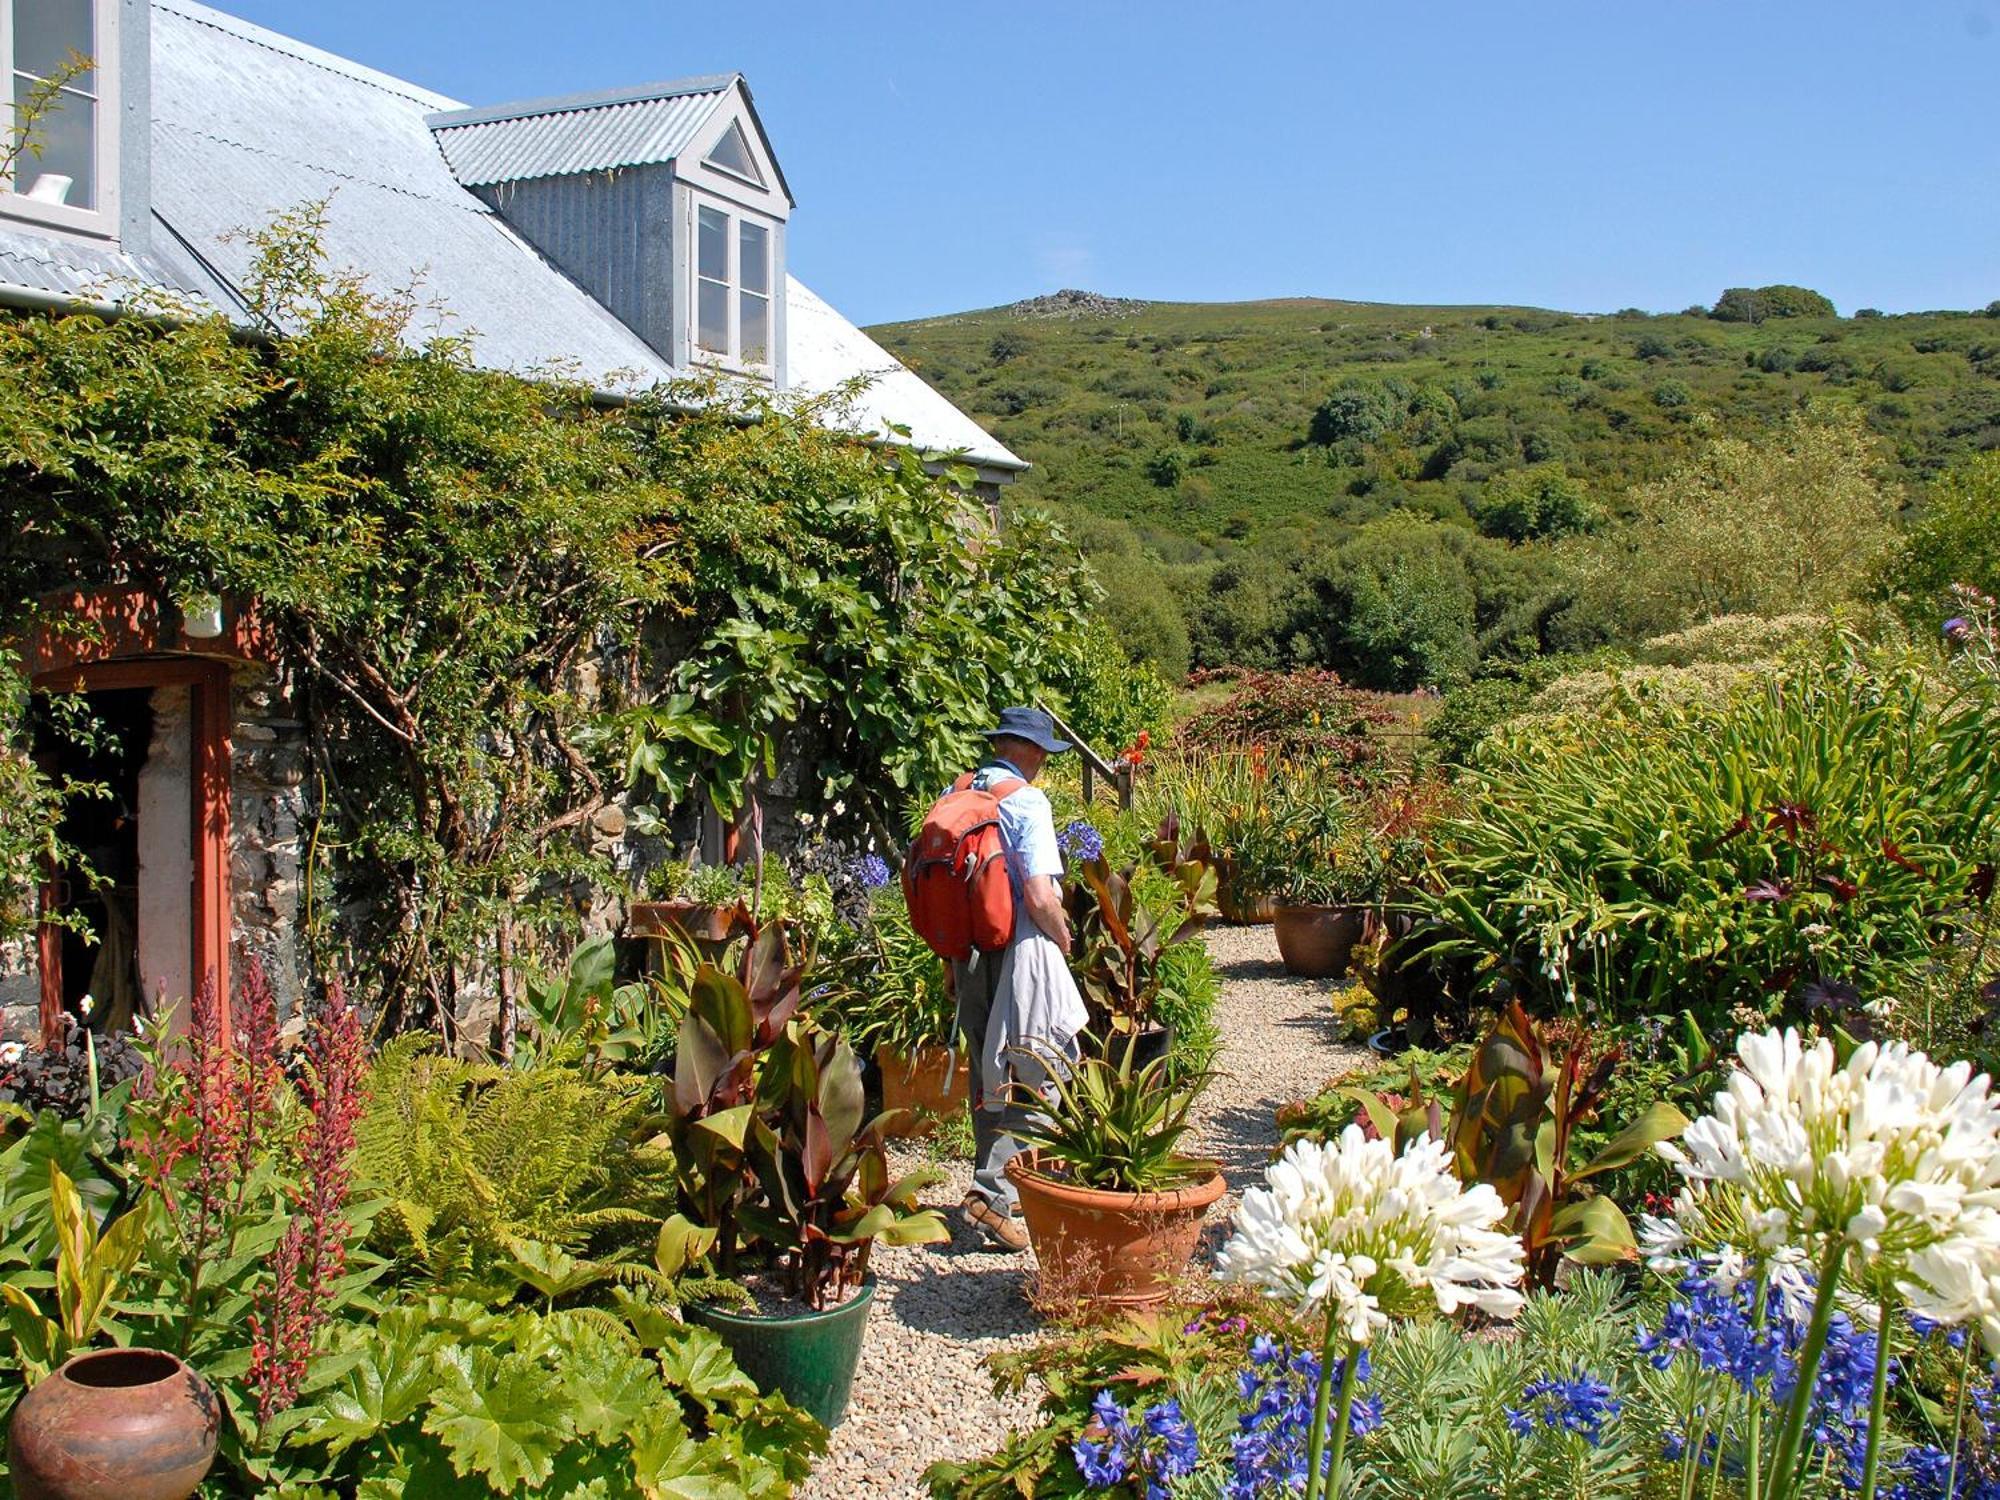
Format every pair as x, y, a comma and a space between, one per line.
732, 287
71, 181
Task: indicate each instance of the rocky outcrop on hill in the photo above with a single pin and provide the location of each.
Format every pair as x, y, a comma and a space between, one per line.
1072, 304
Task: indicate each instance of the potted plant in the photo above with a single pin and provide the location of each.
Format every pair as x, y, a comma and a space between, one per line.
1337, 877
1120, 937
890, 995
701, 903
785, 1184
1113, 1208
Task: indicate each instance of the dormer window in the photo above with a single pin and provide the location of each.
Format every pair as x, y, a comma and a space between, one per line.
72, 180
732, 287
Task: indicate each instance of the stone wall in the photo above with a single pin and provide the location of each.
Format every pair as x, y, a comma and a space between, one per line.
267, 836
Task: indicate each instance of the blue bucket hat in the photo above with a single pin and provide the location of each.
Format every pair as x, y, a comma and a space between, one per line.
1029, 724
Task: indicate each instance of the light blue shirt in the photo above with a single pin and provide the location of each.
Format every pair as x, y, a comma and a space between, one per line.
1027, 827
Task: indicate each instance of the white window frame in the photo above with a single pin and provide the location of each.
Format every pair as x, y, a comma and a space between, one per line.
101, 218
735, 217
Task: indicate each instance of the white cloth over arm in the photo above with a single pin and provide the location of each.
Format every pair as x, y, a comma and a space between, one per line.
1037, 1020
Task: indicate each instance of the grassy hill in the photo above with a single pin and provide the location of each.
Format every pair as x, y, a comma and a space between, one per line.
1192, 420
1387, 490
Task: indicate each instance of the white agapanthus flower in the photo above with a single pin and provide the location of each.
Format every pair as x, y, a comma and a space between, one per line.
1893, 1152
1350, 1226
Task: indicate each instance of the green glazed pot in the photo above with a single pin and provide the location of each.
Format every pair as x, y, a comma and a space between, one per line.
808, 1358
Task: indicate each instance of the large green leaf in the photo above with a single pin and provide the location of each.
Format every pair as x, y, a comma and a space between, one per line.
1660, 1122
385, 1385
498, 1418
609, 1383
1594, 1232
697, 1364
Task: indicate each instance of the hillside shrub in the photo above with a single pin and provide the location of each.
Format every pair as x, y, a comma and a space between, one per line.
1400, 607
1814, 837
1536, 503
1954, 539
1795, 522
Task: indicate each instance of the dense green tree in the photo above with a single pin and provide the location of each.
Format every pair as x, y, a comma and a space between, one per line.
1797, 521
1399, 606
1538, 502
1748, 304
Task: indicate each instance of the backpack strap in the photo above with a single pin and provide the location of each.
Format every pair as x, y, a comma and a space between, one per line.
999, 790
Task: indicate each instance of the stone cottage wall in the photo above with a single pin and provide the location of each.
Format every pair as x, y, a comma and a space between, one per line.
267, 835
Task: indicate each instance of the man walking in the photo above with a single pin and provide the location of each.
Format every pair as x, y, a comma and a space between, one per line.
1019, 1005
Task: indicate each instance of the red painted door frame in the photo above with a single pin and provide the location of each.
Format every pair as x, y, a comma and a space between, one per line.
207, 681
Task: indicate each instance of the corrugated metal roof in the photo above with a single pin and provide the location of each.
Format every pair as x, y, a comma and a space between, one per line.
825, 351
243, 132
596, 138
73, 268
248, 124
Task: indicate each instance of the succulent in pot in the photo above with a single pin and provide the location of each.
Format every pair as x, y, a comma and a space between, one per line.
1113, 1206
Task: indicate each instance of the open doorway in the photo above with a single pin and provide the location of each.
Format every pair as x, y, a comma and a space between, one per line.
99, 742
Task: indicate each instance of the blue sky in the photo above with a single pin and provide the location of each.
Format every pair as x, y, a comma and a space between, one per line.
1583, 156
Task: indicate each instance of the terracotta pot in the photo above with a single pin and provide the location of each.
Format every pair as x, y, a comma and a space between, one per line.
658, 919
1117, 1251
114, 1424
933, 1083
1244, 908
1317, 941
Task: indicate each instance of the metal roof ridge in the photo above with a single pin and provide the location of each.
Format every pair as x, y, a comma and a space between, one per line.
460, 200
305, 52
562, 104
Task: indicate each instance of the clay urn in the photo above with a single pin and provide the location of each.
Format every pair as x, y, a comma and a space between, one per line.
114, 1424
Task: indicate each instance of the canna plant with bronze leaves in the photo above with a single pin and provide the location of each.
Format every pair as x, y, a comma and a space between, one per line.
780, 1169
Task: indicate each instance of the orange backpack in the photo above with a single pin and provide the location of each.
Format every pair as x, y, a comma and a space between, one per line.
955, 878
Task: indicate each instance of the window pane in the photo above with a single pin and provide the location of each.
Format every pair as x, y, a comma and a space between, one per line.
755, 318
712, 316
46, 31
712, 248
65, 135
732, 154
753, 267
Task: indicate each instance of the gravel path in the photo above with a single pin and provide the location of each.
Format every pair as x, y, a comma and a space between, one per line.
922, 1393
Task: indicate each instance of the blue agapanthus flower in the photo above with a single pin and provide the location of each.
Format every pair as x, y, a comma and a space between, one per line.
1080, 842
1581, 1404
1147, 1448
872, 870
1268, 1455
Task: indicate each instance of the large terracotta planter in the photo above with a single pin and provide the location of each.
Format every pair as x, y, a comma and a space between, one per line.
114, 1424
1316, 941
927, 1086
659, 919
1236, 903
1117, 1251
808, 1357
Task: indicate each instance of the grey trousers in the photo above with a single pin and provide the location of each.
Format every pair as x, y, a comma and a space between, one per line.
993, 1130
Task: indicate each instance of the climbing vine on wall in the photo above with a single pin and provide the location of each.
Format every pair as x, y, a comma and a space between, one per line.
498, 598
